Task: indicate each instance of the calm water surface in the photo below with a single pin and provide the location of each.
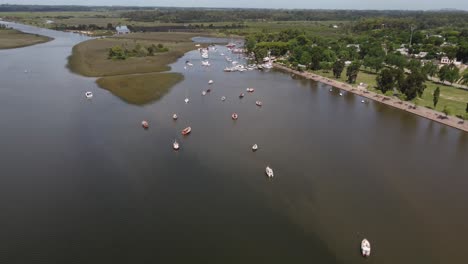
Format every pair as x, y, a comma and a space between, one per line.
81, 182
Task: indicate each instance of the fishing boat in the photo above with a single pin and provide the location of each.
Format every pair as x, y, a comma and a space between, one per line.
365, 248
175, 145
259, 103
241, 95
223, 98
269, 172
144, 124
89, 95
210, 82
174, 116
234, 116
203, 93
186, 100
186, 131
250, 90
255, 147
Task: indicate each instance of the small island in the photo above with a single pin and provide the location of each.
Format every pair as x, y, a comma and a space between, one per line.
12, 38
132, 66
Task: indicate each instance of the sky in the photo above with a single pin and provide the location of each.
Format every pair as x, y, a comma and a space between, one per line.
290, 4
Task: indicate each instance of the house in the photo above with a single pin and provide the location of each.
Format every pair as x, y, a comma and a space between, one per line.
445, 60
122, 30
403, 51
420, 55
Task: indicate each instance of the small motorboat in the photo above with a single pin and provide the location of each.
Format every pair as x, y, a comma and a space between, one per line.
241, 95
259, 103
222, 54
255, 147
234, 116
269, 172
186, 100
185, 67
365, 248
175, 145
362, 101
223, 98
331, 90
250, 90
186, 131
203, 93
89, 95
206, 63
189, 64
341, 94
174, 116
210, 82
145, 124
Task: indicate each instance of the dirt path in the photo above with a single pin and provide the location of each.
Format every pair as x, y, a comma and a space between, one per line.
391, 101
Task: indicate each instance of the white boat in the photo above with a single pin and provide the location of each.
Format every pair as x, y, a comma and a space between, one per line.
185, 67
222, 54
269, 172
227, 69
186, 100
89, 95
362, 101
203, 93
144, 124
331, 90
197, 45
174, 116
189, 64
254, 147
175, 145
206, 63
223, 98
259, 103
234, 116
365, 248
210, 82
250, 90
341, 94
205, 56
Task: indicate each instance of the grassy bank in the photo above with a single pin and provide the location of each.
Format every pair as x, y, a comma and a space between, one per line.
11, 38
454, 98
135, 80
140, 89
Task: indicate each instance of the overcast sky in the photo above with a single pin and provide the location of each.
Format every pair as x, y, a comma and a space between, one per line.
314, 4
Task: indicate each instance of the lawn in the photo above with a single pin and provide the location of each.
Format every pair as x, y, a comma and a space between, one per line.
456, 99
11, 38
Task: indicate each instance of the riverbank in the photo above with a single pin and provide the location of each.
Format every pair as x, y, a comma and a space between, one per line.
12, 38
136, 80
390, 101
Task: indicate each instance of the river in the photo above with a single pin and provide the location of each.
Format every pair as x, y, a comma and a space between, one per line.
82, 182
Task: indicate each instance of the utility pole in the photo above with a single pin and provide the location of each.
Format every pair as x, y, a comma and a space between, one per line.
411, 38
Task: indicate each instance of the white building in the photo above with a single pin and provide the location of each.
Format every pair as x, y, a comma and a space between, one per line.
122, 30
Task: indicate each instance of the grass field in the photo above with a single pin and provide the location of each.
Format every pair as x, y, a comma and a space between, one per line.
11, 38
136, 80
450, 96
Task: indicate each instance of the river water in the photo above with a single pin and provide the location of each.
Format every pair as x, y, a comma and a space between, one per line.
82, 182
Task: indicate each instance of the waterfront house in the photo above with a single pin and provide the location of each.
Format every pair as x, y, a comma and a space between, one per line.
122, 30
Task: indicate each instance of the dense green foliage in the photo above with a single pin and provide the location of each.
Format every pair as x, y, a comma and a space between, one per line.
436, 96
122, 53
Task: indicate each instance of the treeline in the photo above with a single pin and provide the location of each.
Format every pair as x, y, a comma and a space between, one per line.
189, 27
63, 8
84, 27
180, 15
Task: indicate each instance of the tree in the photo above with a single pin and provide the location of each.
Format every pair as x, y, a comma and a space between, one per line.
338, 68
386, 80
325, 66
465, 78
413, 85
436, 96
352, 71
316, 55
375, 63
466, 108
430, 69
449, 73
117, 53
396, 60
110, 26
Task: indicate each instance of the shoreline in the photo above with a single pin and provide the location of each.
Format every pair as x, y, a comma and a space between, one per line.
421, 111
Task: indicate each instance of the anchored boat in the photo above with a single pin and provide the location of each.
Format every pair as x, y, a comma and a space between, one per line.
255, 147
89, 95
174, 116
234, 116
186, 131
365, 248
259, 103
144, 124
269, 172
175, 145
